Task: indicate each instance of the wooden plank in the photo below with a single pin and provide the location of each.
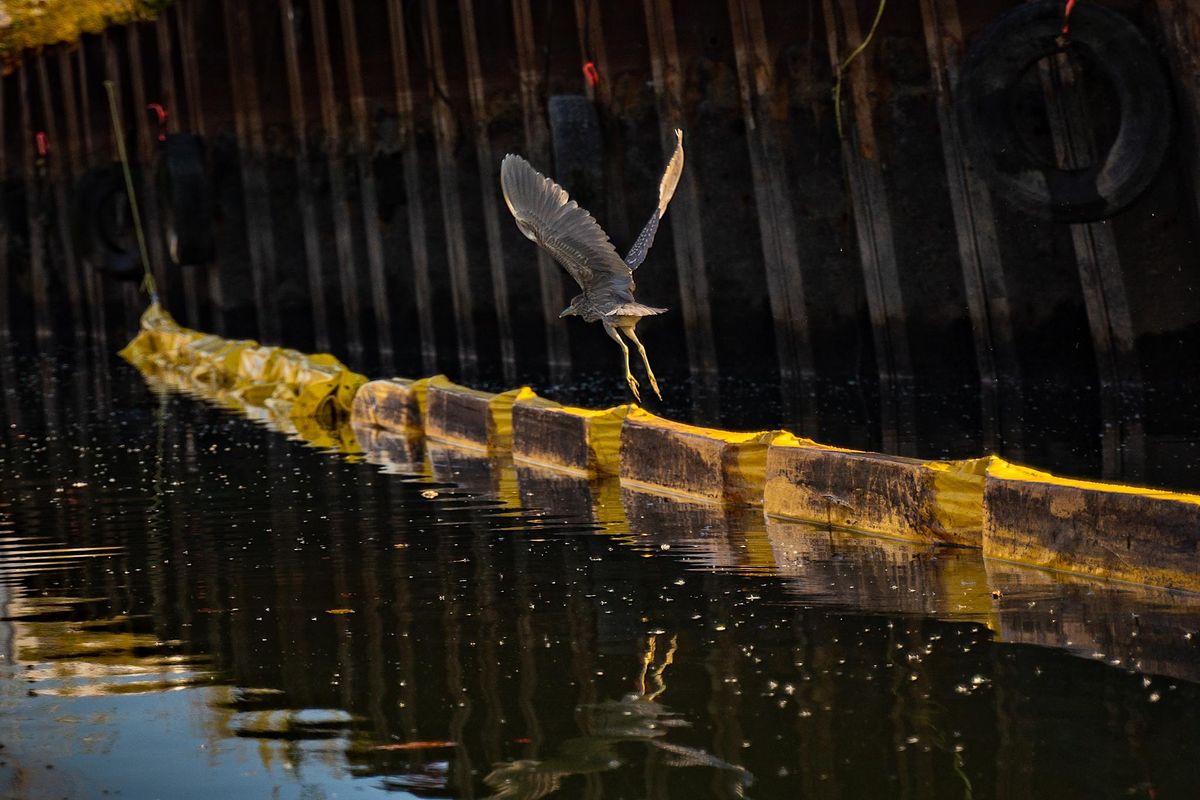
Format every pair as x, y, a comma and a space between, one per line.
367, 188
487, 164
185, 26
776, 216
147, 149
422, 291
978, 242
685, 208
877, 247
456, 248
304, 179
252, 155
343, 237
32, 177
58, 177
1103, 283
537, 146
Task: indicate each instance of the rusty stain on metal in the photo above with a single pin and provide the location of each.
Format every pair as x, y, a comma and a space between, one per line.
337, 179
304, 179
487, 187
877, 247
422, 291
776, 217
686, 230
537, 145
367, 188
978, 241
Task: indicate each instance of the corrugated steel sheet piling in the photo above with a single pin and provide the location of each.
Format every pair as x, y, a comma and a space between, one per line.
247, 115
686, 230
368, 194
39, 276
776, 216
337, 179
537, 146
58, 178
488, 189
978, 241
445, 133
417, 237
1103, 285
873, 222
304, 179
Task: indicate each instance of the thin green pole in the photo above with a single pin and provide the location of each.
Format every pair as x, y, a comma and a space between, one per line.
148, 284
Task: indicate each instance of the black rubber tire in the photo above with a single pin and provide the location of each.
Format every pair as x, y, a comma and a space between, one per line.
101, 224
186, 200
995, 64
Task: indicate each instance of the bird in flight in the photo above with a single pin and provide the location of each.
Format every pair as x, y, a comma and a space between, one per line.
546, 214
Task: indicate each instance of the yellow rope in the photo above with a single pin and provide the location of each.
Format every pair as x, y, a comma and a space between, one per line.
837, 87
148, 278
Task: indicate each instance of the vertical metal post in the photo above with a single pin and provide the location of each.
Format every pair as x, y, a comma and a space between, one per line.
252, 154
112, 72
337, 179
366, 181
304, 180
877, 248
456, 248
58, 178
147, 152
39, 279
978, 241
537, 143
487, 183
79, 132
422, 291
1103, 285
776, 217
185, 26
686, 229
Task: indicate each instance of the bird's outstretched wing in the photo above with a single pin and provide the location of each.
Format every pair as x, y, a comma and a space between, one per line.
546, 214
666, 190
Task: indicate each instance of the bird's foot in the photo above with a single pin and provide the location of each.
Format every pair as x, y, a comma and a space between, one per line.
654, 386
633, 387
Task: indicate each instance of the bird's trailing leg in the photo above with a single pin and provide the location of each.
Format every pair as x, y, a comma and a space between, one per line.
645, 360
633, 384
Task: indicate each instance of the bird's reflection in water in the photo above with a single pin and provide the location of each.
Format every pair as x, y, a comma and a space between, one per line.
638, 719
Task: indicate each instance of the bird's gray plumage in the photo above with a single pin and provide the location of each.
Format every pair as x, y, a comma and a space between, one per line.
546, 214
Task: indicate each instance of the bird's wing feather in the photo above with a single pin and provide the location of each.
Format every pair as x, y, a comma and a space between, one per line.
546, 214
666, 190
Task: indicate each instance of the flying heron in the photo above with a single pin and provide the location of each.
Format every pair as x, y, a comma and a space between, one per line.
546, 214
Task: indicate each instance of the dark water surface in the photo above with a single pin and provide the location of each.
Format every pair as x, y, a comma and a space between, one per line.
193, 605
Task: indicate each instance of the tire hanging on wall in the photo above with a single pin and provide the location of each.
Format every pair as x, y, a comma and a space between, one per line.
186, 200
102, 225
994, 66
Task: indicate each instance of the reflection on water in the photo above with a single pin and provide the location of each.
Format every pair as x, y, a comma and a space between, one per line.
193, 604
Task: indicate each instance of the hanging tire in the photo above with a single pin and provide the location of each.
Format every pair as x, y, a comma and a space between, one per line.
186, 200
995, 65
102, 225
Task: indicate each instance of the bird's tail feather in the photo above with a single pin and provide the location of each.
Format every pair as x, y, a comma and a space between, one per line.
633, 310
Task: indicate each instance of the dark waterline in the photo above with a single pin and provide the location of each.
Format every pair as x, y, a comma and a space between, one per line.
193, 605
